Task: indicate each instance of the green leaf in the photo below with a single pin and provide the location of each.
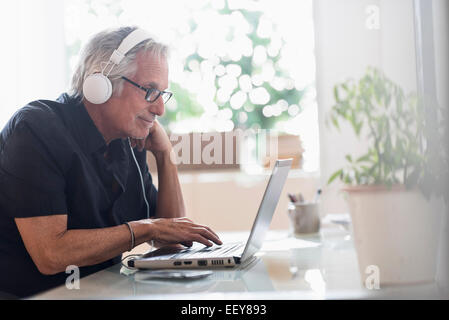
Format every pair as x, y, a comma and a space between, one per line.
357, 176
347, 179
364, 158
335, 122
336, 94
399, 137
358, 128
334, 176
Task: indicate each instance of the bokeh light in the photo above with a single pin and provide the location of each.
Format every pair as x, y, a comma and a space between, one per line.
233, 63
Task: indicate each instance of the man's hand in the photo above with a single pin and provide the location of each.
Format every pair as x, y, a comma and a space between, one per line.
181, 231
157, 140
170, 203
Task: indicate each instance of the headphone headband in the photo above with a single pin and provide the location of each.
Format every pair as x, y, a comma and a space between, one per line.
97, 88
132, 40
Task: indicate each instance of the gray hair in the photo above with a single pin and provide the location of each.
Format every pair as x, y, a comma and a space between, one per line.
99, 49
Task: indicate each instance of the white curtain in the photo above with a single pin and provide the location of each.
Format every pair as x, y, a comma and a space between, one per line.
32, 53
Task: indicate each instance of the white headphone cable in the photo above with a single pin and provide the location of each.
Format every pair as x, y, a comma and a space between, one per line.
146, 204
141, 179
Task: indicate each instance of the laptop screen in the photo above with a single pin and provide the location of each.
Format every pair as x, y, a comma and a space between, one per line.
267, 207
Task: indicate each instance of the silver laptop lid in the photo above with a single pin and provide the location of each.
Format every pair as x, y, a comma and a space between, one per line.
267, 207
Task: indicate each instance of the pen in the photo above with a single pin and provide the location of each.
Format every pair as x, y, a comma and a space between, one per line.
317, 196
292, 198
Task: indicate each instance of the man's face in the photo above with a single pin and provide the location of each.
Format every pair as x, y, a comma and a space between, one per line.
130, 114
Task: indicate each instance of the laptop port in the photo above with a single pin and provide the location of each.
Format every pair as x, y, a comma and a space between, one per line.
202, 263
177, 263
188, 262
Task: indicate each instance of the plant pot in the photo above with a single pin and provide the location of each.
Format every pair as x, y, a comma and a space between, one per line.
396, 231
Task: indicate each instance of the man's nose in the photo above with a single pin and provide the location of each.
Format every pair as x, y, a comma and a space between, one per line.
158, 107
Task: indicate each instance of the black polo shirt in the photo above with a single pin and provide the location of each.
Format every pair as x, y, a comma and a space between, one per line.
52, 162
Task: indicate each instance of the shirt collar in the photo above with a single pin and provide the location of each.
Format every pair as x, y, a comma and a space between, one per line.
119, 161
90, 138
95, 143
92, 142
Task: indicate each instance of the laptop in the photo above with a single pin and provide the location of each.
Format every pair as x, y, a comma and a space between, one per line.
228, 255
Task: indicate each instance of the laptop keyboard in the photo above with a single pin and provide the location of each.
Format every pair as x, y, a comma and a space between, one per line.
209, 252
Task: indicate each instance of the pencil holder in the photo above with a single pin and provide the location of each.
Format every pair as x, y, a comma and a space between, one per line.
304, 217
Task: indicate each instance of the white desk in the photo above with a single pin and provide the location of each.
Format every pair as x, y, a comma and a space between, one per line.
322, 267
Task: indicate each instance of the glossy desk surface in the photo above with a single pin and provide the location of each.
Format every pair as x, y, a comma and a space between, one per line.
323, 266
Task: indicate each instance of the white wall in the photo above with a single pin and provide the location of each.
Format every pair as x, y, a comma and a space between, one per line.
229, 200
32, 53
344, 48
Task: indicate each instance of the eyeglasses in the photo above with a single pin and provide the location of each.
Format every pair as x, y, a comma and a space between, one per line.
152, 94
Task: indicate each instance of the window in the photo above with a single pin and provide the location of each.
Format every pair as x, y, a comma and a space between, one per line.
32, 55
234, 63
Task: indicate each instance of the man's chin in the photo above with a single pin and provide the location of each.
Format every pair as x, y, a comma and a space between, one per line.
141, 134
138, 138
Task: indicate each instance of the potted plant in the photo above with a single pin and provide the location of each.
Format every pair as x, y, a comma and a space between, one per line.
391, 189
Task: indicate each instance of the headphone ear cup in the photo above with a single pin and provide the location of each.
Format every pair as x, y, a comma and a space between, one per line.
97, 88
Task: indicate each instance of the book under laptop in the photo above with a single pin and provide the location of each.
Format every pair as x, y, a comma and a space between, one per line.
227, 255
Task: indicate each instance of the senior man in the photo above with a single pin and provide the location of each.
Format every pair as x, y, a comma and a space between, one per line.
74, 184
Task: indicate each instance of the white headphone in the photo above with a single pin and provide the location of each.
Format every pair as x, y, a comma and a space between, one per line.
97, 88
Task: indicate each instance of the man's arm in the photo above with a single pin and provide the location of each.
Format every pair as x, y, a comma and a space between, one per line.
48, 241
52, 247
170, 203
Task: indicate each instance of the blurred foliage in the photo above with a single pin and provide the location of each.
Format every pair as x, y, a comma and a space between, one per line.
253, 111
186, 105
403, 140
190, 107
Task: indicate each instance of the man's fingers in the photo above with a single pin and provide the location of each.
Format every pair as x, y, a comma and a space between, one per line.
199, 238
205, 232
183, 219
187, 243
185, 232
208, 235
140, 144
211, 231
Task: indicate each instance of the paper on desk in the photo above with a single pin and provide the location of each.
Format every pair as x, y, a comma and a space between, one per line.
287, 244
